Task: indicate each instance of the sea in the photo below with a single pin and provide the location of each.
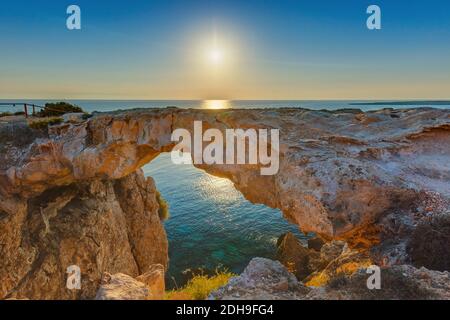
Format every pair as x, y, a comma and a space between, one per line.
112, 105
211, 225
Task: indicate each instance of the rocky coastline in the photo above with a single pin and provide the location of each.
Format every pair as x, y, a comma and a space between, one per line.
373, 186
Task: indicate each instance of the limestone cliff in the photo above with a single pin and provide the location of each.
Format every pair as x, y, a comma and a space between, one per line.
98, 225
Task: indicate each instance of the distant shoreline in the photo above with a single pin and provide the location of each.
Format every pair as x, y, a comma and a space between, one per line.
114, 105
403, 103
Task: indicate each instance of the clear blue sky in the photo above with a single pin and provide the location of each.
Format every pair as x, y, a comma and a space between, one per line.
274, 49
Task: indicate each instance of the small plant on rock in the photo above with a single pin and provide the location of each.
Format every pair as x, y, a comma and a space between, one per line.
44, 124
200, 286
163, 210
58, 109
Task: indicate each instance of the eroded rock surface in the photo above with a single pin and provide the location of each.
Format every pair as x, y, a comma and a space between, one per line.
149, 286
402, 282
121, 287
98, 225
269, 280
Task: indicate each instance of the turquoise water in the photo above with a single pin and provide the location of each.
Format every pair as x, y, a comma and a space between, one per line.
211, 224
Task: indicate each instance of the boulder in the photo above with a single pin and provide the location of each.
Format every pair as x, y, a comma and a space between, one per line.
294, 256
155, 282
121, 287
148, 286
262, 279
74, 117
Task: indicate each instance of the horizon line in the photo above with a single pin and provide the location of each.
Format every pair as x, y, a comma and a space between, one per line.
246, 99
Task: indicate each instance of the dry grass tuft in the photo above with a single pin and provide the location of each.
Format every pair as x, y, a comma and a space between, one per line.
200, 286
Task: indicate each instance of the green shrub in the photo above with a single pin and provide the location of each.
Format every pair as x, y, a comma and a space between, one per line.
58, 109
163, 210
7, 114
200, 286
86, 116
44, 124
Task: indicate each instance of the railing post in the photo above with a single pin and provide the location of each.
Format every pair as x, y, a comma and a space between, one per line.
26, 110
34, 110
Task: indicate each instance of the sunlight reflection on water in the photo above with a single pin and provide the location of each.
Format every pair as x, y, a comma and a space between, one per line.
216, 104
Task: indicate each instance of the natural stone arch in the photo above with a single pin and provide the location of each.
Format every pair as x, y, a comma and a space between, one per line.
335, 173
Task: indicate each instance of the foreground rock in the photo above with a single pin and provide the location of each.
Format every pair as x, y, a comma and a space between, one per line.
149, 286
121, 287
268, 280
155, 281
296, 258
401, 282
262, 279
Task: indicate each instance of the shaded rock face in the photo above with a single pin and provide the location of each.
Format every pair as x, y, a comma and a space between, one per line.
297, 259
430, 243
339, 273
269, 280
315, 243
335, 261
98, 225
306, 263
400, 282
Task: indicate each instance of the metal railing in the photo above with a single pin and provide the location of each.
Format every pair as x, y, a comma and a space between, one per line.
25, 106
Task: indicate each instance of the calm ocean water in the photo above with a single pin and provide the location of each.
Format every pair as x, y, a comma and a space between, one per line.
211, 224
110, 105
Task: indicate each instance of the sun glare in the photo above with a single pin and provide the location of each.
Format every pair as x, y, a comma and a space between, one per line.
216, 104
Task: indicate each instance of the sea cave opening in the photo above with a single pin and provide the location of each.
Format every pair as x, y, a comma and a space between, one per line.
211, 224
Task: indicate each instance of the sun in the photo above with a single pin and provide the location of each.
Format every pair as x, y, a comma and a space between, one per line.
216, 56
